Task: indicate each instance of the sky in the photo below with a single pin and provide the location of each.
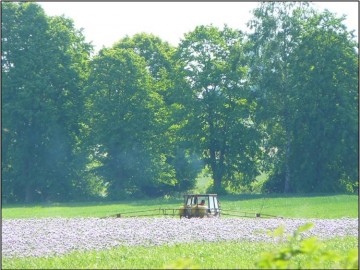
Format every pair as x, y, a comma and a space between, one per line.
104, 23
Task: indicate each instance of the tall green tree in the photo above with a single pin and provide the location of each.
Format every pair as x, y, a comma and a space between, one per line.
276, 29
159, 59
42, 69
217, 101
325, 75
127, 123
303, 77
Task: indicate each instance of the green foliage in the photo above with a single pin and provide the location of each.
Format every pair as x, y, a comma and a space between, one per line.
210, 188
139, 155
326, 67
304, 75
312, 251
276, 30
275, 183
143, 118
213, 68
43, 64
125, 120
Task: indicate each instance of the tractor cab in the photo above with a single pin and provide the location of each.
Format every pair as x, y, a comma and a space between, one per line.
200, 205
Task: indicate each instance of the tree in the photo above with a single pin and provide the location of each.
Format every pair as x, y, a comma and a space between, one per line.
304, 76
218, 104
127, 124
276, 28
325, 68
42, 66
159, 59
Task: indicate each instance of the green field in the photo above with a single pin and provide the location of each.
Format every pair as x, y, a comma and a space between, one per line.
299, 206
225, 255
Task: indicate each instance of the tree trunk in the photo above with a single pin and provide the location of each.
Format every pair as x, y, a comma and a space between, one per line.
217, 182
28, 193
28, 186
287, 166
217, 169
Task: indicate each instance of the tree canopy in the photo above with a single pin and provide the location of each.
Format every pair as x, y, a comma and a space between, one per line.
144, 118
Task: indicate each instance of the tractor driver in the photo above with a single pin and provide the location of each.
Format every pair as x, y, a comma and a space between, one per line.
202, 202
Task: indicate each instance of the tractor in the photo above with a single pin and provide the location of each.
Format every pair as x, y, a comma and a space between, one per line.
200, 205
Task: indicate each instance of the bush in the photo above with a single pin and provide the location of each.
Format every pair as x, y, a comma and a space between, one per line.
275, 183
317, 255
210, 189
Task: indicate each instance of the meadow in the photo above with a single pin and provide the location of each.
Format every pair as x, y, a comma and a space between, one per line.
201, 255
299, 206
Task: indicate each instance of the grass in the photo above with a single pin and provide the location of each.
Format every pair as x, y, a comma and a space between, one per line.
224, 255
299, 206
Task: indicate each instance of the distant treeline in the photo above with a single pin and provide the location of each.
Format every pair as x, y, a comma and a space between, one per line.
144, 118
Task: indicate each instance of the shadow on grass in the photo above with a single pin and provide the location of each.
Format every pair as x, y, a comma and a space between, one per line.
130, 202
165, 202
246, 197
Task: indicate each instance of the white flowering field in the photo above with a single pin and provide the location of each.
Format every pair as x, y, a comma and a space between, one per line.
44, 237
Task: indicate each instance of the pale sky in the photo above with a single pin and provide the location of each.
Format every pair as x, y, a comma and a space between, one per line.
105, 23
